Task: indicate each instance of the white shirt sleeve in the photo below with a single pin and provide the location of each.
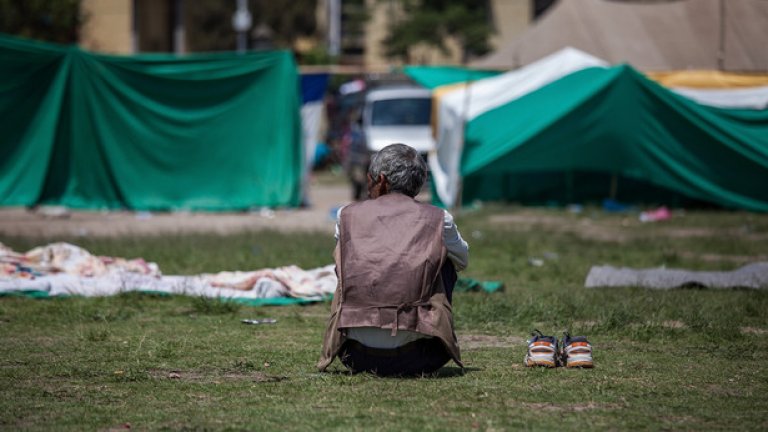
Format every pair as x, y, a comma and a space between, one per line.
458, 249
338, 221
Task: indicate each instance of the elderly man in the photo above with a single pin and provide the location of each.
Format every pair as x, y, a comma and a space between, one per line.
396, 261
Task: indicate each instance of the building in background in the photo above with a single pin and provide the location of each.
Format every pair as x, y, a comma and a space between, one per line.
108, 26
351, 31
133, 26
355, 29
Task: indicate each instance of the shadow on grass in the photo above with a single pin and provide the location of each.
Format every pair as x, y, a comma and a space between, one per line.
453, 371
444, 372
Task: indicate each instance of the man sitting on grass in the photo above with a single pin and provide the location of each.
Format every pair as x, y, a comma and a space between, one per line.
396, 262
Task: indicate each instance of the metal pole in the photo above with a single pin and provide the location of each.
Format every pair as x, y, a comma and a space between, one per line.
721, 51
242, 23
334, 27
179, 37
241, 42
134, 26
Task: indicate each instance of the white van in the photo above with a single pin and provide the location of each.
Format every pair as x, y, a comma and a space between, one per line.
400, 114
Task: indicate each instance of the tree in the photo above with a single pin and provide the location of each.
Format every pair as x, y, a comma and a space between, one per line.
49, 20
209, 25
432, 21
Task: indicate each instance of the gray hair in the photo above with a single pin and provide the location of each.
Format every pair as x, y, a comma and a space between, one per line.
402, 166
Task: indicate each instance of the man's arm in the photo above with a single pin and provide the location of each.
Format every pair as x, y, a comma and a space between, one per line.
338, 223
458, 249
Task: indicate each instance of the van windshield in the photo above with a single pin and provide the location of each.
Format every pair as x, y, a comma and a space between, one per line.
405, 111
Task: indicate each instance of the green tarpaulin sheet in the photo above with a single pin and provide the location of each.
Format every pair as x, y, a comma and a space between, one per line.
273, 301
568, 140
154, 132
436, 76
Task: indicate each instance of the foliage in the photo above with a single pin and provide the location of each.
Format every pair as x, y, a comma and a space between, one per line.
49, 20
687, 359
432, 21
317, 56
210, 28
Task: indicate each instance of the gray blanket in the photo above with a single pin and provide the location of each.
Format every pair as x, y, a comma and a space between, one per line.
753, 276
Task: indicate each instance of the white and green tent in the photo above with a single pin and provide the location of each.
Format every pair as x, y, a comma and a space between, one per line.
589, 131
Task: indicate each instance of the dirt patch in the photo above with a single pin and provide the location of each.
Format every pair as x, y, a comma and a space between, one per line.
45, 223
121, 427
473, 341
613, 229
585, 324
681, 420
754, 330
674, 324
739, 259
213, 377
719, 390
578, 407
678, 232
585, 228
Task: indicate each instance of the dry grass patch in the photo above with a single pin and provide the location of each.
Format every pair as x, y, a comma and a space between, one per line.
674, 324
212, 377
754, 330
475, 341
575, 407
711, 257
613, 229
588, 229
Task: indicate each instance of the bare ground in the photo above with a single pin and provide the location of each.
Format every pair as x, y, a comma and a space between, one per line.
614, 229
475, 341
58, 222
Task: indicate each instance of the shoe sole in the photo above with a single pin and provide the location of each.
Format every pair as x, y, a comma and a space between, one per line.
540, 363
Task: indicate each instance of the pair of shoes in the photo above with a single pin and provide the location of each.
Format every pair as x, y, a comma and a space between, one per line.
547, 351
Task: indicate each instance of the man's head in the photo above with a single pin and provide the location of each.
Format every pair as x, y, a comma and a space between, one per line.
396, 168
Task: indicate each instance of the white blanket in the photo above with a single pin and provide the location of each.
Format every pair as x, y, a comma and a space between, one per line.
65, 269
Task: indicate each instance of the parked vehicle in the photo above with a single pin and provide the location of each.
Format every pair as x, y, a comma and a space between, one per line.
398, 114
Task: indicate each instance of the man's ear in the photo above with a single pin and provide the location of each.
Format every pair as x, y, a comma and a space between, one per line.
377, 187
383, 185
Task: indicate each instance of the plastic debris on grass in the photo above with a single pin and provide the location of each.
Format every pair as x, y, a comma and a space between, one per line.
659, 214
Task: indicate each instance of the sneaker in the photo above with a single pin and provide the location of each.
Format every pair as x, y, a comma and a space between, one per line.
542, 350
576, 352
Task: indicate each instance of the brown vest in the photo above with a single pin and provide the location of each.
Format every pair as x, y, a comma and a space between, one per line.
388, 259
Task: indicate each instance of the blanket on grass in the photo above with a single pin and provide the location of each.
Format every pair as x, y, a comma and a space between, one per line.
753, 276
62, 269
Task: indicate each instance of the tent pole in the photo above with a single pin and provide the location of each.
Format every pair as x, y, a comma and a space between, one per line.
464, 115
614, 185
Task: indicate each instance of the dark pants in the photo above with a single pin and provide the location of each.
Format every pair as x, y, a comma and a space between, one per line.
422, 356
448, 273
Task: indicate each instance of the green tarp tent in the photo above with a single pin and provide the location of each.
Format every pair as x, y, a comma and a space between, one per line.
206, 132
436, 76
568, 140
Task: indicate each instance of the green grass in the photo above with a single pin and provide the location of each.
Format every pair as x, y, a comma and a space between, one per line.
687, 359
